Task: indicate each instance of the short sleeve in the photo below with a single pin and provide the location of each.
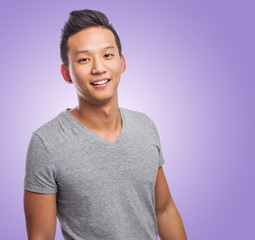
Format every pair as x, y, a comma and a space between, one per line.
161, 158
39, 169
158, 144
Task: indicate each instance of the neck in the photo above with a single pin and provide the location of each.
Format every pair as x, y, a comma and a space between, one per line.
103, 117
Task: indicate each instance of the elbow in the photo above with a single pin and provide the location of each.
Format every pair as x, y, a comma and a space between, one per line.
164, 208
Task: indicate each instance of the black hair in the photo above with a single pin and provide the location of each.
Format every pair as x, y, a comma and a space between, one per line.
82, 19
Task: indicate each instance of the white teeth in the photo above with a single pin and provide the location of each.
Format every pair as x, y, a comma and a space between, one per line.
100, 82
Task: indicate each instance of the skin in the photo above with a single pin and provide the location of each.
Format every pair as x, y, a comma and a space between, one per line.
93, 54
41, 215
170, 225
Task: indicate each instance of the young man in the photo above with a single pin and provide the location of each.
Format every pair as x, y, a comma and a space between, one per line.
98, 167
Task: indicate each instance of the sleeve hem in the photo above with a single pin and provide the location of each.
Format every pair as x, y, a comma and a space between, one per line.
161, 162
38, 189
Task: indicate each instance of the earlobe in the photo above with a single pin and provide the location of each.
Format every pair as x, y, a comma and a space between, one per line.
123, 63
65, 73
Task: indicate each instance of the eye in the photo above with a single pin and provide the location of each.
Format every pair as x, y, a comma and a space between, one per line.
108, 55
83, 60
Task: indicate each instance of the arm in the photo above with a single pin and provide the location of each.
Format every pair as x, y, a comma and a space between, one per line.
41, 215
170, 226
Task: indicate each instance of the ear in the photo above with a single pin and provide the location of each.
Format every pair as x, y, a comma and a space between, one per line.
65, 73
123, 63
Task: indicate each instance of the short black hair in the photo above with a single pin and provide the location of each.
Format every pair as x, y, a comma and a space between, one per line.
82, 19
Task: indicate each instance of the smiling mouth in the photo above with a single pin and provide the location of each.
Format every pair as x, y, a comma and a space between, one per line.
100, 82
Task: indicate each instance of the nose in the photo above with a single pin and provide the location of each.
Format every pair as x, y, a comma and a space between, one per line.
98, 66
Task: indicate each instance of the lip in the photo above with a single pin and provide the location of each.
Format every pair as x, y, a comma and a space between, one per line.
101, 85
100, 79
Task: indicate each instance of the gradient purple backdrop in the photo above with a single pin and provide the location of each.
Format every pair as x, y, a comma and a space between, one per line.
190, 67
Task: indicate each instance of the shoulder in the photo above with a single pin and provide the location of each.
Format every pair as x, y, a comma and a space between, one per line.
139, 121
136, 116
53, 130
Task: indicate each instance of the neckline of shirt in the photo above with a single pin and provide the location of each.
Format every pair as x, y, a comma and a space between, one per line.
94, 135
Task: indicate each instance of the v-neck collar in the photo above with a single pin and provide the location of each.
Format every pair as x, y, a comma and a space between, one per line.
94, 135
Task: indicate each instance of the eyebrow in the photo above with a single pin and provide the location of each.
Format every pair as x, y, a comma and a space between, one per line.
86, 51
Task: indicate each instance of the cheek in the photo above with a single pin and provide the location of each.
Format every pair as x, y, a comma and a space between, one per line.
116, 69
78, 72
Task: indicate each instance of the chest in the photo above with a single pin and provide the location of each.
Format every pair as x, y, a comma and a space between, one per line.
94, 168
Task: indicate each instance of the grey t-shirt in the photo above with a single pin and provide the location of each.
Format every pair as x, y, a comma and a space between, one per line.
104, 190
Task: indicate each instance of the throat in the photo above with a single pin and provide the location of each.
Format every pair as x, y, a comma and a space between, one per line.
106, 124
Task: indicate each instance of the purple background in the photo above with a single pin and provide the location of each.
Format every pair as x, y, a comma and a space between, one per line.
190, 67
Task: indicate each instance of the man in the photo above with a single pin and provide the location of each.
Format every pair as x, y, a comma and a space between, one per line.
98, 167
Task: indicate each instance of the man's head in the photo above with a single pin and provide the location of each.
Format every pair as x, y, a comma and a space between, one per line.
92, 58
80, 20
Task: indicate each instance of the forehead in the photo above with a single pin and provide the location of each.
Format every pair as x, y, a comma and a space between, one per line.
91, 39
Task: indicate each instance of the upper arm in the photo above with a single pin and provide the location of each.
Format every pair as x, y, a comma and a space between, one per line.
163, 198
41, 215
